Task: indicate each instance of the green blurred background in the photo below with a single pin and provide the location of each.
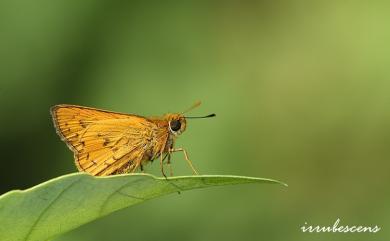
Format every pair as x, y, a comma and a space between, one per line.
301, 90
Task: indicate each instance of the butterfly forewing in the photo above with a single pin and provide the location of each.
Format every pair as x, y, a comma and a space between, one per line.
103, 142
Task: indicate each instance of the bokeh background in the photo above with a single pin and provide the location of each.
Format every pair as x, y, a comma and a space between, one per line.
301, 90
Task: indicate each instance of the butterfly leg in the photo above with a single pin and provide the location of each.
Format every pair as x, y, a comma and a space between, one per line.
162, 166
169, 164
186, 157
162, 170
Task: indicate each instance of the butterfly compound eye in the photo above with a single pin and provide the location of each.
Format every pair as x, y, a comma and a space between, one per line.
175, 125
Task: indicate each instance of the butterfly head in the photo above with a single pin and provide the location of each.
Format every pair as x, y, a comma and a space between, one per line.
176, 123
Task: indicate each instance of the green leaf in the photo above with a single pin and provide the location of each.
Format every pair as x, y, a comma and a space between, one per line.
64, 203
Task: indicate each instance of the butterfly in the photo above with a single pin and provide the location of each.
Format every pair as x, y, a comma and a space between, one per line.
107, 143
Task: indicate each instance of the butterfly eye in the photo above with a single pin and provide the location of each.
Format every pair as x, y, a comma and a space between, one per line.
175, 125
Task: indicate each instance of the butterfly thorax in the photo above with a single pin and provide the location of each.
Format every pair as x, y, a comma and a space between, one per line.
164, 134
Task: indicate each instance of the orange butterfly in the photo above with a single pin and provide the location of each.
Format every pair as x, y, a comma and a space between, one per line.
106, 143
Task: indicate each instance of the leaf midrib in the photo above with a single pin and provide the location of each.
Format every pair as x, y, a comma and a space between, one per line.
48, 207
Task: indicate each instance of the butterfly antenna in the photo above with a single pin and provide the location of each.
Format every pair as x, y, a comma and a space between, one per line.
195, 117
196, 104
